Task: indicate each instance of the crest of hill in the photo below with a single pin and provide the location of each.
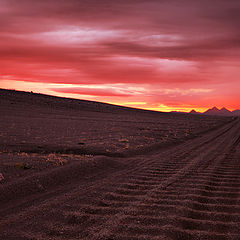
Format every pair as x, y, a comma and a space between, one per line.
27, 99
30, 99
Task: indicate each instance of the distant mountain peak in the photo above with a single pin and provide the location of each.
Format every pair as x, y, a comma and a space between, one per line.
214, 109
220, 112
225, 110
194, 112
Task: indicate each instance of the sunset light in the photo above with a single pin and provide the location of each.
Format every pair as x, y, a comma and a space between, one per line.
170, 56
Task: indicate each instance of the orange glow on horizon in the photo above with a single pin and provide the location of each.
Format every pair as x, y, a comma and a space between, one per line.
45, 89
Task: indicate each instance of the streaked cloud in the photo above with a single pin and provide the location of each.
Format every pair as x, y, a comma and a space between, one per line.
159, 52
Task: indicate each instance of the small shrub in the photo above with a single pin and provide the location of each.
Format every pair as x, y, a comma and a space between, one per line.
62, 162
23, 166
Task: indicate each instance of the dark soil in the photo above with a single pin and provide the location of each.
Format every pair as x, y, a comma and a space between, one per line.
84, 170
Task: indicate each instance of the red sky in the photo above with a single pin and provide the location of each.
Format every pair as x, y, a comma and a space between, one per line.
152, 54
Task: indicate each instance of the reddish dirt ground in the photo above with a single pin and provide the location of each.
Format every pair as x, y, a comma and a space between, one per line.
82, 170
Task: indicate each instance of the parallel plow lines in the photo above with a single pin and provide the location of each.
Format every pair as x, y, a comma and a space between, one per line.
189, 192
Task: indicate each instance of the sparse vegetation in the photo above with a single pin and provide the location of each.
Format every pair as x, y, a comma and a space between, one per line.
57, 160
123, 140
23, 166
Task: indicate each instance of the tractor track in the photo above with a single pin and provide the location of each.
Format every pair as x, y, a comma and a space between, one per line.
189, 191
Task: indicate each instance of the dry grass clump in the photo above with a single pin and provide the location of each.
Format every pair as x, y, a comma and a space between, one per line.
23, 166
62, 162
53, 158
123, 140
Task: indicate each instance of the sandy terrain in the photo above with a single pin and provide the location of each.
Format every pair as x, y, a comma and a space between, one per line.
81, 170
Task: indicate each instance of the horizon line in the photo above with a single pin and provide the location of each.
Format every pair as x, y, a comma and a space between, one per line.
111, 103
